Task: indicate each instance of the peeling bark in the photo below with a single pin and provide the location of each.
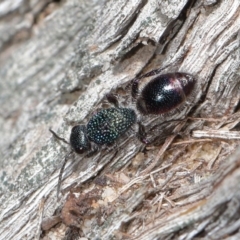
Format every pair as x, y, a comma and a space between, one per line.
58, 61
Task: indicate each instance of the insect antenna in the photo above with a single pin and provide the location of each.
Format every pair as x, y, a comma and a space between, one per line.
57, 137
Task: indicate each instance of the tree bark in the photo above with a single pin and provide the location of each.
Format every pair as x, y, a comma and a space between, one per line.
58, 61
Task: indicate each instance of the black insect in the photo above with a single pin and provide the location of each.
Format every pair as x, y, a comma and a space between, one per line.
163, 93
104, 128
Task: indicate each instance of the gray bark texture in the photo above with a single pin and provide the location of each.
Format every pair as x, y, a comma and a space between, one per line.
59, 59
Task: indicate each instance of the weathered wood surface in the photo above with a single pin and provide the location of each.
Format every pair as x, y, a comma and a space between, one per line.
59, 59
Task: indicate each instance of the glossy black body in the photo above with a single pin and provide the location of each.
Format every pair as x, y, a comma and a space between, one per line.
164, 92
79, 140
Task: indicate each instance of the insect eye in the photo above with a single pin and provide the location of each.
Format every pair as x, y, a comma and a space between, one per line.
80, 150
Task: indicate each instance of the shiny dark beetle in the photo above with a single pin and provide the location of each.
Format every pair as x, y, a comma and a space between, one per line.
163, 93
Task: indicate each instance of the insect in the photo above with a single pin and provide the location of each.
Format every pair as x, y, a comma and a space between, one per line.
162, 93
104, 128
